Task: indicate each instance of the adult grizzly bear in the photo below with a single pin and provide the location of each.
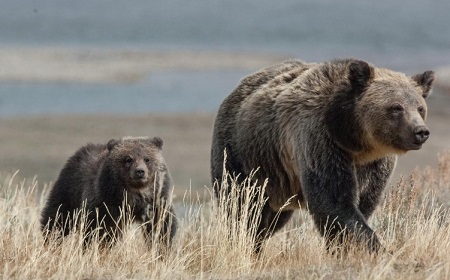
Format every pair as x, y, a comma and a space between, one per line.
327, 133
121, 176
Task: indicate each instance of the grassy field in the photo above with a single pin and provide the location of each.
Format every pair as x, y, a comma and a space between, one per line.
413, 223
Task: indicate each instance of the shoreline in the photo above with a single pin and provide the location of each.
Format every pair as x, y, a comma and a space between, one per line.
99, 66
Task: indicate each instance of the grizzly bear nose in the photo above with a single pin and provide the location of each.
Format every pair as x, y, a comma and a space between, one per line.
140, 173
421, 134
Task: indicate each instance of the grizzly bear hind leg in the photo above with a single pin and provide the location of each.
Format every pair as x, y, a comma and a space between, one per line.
271, 221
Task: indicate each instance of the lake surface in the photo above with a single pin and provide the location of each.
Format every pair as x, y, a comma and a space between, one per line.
164, 92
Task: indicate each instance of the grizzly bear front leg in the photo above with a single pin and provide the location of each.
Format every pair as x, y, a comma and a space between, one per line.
160, 225
331, 190
103, 223
373, 179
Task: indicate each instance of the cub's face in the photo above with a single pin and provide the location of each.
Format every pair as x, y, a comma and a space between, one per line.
394, 110
136, 160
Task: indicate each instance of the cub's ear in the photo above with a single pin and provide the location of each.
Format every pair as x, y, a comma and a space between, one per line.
112, 143
158, 142
425, 81
360, 74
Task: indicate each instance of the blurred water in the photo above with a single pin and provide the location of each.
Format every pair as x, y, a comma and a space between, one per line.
405, 35
164, 92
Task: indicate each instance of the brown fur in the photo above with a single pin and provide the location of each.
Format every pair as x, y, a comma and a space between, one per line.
324, 133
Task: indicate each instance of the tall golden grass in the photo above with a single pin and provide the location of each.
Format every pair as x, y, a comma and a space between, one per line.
413, 223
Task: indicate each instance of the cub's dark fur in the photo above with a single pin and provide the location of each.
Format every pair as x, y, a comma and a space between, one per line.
124, 175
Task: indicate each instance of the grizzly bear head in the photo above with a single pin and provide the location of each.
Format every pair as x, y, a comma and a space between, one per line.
136, 160
378, 112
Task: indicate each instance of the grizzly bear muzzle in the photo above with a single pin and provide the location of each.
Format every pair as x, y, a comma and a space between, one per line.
139, 175
421, 134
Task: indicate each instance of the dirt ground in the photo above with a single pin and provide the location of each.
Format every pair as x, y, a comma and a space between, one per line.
41, 145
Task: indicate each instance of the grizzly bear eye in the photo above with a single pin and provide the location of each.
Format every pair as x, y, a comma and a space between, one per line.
421, 110
147, 160
128, 160
396, 109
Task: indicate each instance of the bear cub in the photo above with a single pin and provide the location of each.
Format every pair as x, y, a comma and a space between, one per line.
126, 178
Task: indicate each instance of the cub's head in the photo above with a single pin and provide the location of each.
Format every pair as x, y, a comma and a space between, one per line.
136, 160
384, 111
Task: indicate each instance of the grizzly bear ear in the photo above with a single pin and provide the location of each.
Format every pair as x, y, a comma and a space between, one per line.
112, 143
158, 142
360, 74
425, 81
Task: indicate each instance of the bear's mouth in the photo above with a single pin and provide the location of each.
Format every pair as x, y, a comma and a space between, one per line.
413, 146
139, 183
407, 144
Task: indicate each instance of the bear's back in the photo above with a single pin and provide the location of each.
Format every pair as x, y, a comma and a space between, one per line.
79, 173
227, 121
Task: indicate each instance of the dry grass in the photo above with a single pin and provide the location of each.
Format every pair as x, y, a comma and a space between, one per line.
413, 223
